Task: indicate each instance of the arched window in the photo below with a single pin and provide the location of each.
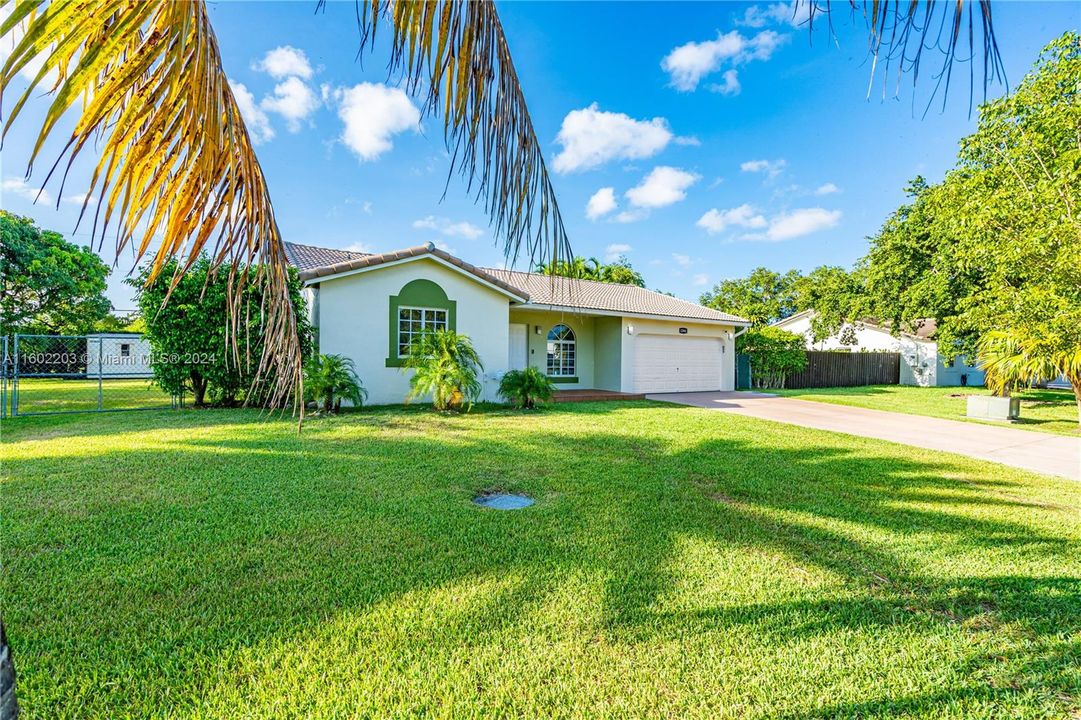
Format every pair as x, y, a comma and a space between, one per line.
561, 352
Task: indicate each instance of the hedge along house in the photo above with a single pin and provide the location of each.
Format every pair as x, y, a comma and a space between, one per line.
582, 334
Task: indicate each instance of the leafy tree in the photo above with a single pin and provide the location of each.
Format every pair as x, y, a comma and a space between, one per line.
445, 365
330, 379
47, 284
774, 354
835, 294
192, 349
525, 387
762, 297
619, 272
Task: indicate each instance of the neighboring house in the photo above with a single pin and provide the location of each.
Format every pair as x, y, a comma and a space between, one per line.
582, 334
920, 361
118, 354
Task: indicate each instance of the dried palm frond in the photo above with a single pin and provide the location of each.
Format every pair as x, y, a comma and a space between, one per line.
177, 174
458, 52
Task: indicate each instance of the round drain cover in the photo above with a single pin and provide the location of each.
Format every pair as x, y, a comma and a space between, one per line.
504, 501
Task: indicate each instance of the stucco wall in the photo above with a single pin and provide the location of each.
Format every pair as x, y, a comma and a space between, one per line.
104, 354
583, 327
633, 327
608, 347
353, 318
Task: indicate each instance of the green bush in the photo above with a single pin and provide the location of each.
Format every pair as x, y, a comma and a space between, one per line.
524, 388
774, 353
445, 365
328, 379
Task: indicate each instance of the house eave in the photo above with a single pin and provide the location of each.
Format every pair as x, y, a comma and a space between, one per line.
536, 307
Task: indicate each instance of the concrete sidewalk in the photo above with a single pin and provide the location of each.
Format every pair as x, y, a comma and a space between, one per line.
1026, 449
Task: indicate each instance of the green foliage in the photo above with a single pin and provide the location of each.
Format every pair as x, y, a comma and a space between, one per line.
47, 284
774, 354
619, 272
525, 387
445, 365
766, 296
192, 350
328, 379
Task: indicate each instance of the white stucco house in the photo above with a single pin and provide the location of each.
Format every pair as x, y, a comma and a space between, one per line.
582, 334
117, 355
920, 361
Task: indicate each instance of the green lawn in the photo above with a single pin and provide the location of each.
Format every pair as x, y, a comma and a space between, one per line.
1053, 411
41, 395
678, 562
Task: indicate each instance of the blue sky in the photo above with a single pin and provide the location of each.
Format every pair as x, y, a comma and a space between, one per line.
700, 139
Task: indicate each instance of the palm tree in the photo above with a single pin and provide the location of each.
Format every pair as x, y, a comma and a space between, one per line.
177, 162
1012, 360
332, 378
445, 365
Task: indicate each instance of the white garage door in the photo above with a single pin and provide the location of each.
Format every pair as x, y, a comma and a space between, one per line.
676, 363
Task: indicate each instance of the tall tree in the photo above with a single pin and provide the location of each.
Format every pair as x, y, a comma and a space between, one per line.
47, 284
619, 272
762, 297
177, 161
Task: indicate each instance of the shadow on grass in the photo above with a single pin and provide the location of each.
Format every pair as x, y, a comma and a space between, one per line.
142, 563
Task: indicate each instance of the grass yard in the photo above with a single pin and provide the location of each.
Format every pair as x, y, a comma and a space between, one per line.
678, 562
1052, 411
41, 395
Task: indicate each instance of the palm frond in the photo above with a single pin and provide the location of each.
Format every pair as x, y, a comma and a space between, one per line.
457, 50
177, 174
900, 33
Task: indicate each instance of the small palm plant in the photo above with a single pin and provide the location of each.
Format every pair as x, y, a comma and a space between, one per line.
445, 365
526, 387
328, 379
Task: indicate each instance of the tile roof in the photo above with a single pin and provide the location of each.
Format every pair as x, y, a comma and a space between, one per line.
610, 297
309, 257
314, 263
372, 260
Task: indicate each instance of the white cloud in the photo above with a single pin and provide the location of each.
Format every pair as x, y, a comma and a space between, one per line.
827, 189
590, 137
730, 84
293, 100
79, 199
630, 216
682, 260
790, 13
687, 64
601, 203
19, 187
359, 247
613, 251
798, 223
700, 279
373, 114
772, 168
663, 186
715, 221
255, 119
285, 61
449, 228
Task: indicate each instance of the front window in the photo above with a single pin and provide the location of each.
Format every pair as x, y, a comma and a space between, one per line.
125, 350
413, 322
561, 352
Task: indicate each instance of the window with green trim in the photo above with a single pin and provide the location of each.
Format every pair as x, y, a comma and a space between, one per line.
562, 349
414, 321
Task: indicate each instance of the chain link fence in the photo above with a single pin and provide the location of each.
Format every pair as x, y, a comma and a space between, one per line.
46, 374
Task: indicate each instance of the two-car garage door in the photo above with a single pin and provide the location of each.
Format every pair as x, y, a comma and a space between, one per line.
676, 363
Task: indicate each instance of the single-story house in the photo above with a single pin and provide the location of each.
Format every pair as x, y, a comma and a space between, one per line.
920, 361
582, 334
117, 355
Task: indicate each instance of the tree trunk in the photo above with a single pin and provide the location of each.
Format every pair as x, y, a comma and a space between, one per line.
328, 402
198, 388
1075, 384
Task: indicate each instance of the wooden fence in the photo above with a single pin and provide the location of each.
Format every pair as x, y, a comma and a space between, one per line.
845, 369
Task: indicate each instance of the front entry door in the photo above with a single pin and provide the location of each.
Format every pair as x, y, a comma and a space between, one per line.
517, 353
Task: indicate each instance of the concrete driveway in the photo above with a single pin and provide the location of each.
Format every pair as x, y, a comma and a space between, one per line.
1035, 451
